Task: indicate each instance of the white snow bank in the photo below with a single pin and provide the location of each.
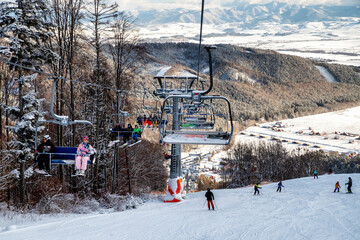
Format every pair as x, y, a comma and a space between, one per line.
307, 208
338, 131
328, 76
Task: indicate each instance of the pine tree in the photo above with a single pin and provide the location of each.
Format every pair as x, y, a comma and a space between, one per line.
25, 28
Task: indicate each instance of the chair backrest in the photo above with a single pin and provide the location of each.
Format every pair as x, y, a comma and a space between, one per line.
65, 155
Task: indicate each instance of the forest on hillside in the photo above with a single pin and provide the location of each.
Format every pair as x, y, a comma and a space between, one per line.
89, 58
70, 52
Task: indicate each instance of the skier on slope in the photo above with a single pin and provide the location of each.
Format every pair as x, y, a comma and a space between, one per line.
316, 174
279, 187
337, 186
210, 197
349, 183
256, 188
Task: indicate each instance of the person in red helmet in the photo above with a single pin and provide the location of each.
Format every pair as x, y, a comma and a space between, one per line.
337, 186
84, 151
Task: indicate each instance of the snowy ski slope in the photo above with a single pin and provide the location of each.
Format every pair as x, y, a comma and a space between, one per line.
306, 209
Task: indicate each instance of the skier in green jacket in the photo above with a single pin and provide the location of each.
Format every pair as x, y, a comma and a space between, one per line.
256, 188
136, 133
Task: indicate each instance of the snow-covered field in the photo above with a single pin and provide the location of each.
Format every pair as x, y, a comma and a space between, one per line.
336, 42
306, 209
334, 131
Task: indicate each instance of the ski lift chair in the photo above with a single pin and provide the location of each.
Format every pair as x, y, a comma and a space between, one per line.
62, 155
198, 116
122, 131
171, 85
196, 134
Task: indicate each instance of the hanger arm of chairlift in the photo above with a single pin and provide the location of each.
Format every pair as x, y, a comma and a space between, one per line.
62, 120
208, 49
229, 109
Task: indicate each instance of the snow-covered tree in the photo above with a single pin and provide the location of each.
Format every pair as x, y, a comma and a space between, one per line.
25, 28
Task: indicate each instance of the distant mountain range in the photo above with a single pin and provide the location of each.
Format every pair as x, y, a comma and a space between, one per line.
249, 14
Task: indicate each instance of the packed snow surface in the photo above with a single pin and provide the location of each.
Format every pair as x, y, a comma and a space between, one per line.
307, 208
337, 131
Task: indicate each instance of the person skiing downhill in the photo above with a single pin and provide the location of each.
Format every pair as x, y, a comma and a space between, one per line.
337, 186
210, 197
315, 174
256, 188
349, 183
279, 186
84, 151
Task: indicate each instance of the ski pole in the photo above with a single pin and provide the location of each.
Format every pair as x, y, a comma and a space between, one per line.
216, 205
204, 203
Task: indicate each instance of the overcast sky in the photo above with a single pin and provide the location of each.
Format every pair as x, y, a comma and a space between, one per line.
196, 4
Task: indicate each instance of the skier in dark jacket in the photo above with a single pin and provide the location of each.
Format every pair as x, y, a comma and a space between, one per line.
256, 188
44, 150
128, 132
115, 131
210, 197
279, 186
349, 183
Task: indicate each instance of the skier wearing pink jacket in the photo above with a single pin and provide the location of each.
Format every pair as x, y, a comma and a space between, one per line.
84, 151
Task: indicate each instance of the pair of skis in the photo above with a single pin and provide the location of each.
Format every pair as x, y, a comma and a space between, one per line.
130, 143
42, 172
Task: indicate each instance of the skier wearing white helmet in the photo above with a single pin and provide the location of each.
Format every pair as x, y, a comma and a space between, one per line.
44, 150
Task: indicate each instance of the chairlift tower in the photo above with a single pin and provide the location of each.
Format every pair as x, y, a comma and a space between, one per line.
177, 93
174, 85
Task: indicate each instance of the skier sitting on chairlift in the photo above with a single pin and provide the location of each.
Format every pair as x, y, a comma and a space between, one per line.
46, 147
136, 133
155, 121
84, 151
116, 131
144, 121
127, 132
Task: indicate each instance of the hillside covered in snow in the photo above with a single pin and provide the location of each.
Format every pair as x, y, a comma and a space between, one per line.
307, 208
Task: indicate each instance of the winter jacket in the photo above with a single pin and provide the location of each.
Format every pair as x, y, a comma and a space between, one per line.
117, 128
337, 185
129, 128
137, 131
47, 147
209, 195
315, 172
257, 186
84, 149
280, 185
349, 183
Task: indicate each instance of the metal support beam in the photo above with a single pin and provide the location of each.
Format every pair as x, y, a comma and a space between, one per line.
175, 165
